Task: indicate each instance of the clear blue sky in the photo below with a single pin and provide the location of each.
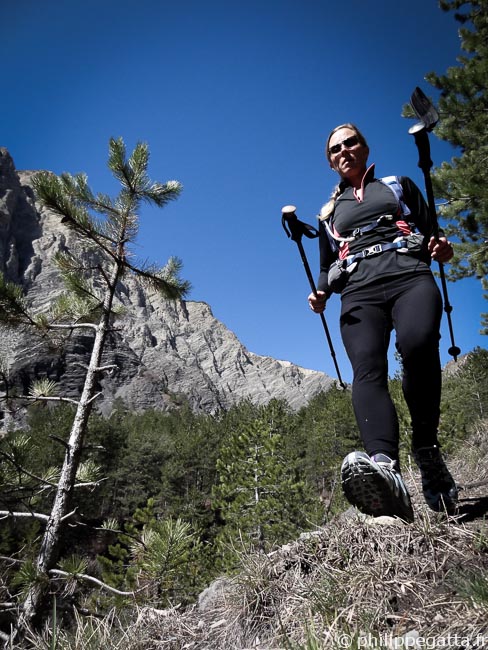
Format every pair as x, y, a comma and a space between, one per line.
235, 99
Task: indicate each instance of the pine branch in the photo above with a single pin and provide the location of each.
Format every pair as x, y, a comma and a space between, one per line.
104, 205
64, 195
165, 280
13, 309
160, 194
132, 174
74, 274
22, 470
117, 163
44, 482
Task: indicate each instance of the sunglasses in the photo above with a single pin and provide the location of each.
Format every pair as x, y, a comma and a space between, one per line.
348, 143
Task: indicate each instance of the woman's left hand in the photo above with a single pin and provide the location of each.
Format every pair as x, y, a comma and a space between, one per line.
440, 249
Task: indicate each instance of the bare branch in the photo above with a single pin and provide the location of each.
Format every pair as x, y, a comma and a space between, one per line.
6, 558
60, 440
92, 399
44, 398
113, 366
4, 514
99, 583
69, 515
90, 483
71, 326
81, 365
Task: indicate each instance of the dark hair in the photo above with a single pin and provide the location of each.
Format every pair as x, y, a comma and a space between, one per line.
348, 125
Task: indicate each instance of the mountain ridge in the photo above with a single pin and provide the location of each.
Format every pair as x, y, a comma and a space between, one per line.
162, 349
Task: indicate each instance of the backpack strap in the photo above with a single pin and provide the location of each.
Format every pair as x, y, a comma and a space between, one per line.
393, 182
357, 232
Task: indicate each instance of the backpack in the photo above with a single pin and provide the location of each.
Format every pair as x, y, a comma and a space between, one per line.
407, 241
395, 186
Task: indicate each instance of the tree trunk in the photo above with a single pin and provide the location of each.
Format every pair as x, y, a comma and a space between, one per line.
49, 550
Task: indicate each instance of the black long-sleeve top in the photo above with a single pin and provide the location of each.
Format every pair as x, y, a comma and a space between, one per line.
350, 213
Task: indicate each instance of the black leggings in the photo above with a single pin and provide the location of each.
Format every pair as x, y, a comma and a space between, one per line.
411, 305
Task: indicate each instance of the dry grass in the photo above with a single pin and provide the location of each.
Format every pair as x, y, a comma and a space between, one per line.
356, 577
356, 580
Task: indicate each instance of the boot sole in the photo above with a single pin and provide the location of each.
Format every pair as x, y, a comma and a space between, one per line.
367, 490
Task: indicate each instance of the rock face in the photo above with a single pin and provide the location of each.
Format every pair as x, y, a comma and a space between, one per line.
162, 349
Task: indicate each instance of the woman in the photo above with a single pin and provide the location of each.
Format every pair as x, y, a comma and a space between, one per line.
376, 246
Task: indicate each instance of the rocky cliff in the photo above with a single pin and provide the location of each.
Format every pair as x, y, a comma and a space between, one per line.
162, 349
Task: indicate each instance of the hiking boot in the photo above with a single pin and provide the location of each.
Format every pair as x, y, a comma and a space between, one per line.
374, 486
440, 490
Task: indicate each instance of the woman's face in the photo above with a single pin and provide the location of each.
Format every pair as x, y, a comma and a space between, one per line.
350, 161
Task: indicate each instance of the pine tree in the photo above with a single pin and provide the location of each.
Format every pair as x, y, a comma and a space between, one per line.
89, 305
326, 431
158, 558
259, 497
464, 399
462, 184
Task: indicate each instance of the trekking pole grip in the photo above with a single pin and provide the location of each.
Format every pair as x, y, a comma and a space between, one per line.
423, 146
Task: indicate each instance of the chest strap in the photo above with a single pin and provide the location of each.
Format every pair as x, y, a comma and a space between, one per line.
357, 232
382, 220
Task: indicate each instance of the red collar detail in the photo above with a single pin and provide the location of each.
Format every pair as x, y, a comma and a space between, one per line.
368, 175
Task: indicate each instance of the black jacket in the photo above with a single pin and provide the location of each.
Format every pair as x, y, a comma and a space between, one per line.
350, 213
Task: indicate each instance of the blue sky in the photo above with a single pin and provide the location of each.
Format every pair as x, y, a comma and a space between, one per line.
235, 100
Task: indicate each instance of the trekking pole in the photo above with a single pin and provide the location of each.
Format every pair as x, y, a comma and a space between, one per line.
296, 229
428, 116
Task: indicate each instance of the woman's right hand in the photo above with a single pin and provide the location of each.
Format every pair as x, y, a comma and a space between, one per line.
317, 302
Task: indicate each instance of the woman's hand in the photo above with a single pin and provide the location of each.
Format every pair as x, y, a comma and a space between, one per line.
440, 249
317, 302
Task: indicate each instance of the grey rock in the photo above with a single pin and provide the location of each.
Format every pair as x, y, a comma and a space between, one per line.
162, 349
214, 595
